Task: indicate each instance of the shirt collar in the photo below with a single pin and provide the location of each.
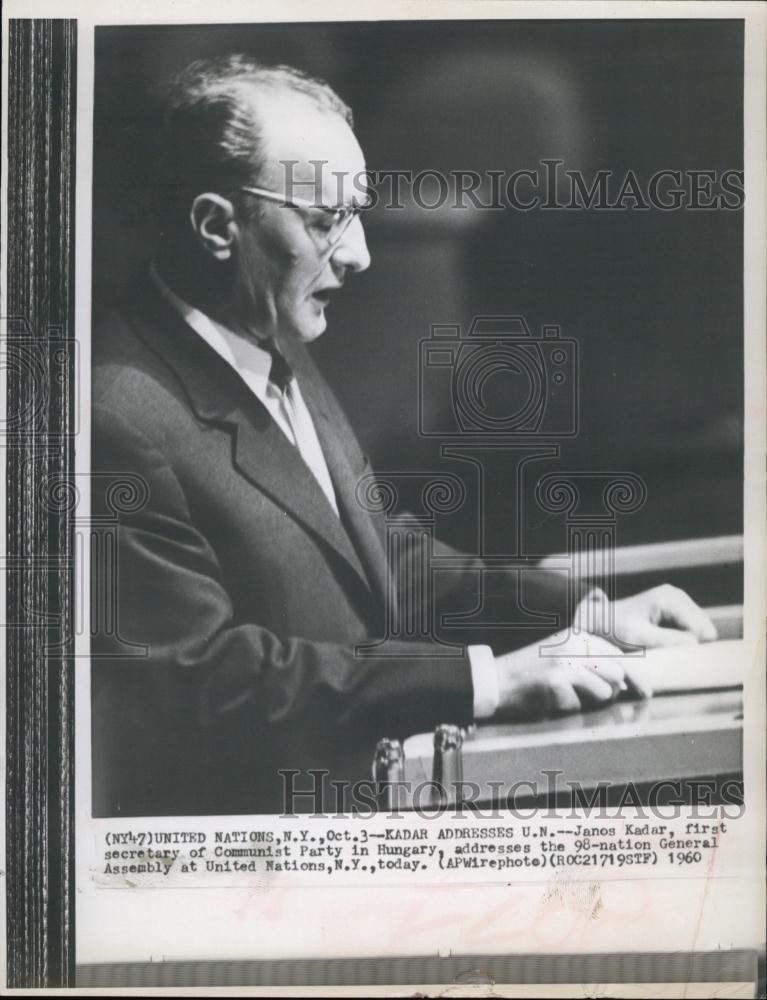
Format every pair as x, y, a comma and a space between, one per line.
241, 352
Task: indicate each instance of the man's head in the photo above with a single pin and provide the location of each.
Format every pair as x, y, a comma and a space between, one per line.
232, 125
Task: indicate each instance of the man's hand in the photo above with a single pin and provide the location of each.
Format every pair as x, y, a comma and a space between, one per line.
663, 616
587, 672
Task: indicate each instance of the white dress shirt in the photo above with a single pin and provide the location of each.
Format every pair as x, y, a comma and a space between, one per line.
253, 365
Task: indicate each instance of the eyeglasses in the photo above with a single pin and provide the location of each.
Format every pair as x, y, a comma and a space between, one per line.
336, 219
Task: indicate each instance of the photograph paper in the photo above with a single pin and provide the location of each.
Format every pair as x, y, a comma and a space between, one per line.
419, 511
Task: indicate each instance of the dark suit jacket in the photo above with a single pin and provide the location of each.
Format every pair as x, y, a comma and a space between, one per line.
246, 589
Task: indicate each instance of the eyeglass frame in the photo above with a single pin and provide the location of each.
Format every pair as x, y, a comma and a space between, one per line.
351, 211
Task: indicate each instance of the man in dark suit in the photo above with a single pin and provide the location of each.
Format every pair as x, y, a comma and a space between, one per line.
251, 574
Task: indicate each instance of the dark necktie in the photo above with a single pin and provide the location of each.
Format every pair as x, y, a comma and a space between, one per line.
282, 378
280, 374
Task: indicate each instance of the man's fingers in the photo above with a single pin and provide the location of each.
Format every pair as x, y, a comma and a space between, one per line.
656, 635
623, 675
563, 698
591, 689
609, 670
678, 609
635, 686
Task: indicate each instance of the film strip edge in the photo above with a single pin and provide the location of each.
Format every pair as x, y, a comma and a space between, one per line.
39, 440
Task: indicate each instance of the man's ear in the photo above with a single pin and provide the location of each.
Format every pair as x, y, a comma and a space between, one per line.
213, 221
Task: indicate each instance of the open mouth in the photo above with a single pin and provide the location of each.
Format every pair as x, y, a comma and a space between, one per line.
323, 295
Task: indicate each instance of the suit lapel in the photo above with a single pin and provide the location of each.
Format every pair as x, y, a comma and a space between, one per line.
261, 452
331, 435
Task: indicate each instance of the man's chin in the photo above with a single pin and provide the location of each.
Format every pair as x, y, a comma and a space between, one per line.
307, 332
304, 327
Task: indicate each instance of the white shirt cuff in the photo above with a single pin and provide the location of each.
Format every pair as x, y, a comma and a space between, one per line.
484, 677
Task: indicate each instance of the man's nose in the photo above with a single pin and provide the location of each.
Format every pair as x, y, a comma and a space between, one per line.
351, 251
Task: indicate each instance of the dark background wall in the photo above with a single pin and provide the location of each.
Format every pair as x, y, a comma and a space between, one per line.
654, 299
